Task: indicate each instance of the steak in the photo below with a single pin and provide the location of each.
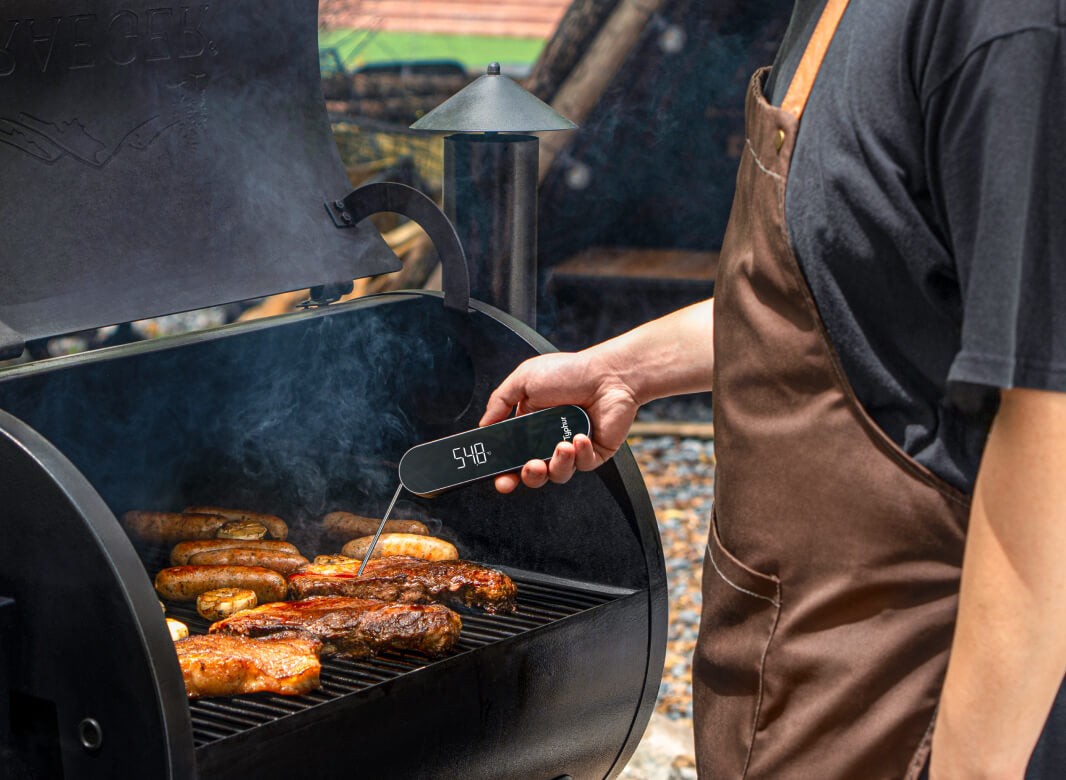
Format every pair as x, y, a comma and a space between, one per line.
354, 627
409, 580
219, 665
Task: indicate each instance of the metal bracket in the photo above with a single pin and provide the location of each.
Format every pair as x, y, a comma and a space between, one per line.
325, 294
388, 196
12, 343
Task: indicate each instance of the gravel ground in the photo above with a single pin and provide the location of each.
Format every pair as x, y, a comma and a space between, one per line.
679, 473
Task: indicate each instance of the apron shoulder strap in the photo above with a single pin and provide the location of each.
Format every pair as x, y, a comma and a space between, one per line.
803, 80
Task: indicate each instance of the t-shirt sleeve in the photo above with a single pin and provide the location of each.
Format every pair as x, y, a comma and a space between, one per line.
998, 180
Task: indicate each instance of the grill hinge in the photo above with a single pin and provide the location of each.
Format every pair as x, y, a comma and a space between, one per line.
388, 196
11, 342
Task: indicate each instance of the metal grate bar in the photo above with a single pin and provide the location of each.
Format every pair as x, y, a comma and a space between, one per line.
539, 604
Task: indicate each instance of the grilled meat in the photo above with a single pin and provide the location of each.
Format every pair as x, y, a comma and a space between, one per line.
220, 665
429, 548
185, 583
182, 551
275, 525
170, 527
409, 580
279, 561
355, 627
345, 525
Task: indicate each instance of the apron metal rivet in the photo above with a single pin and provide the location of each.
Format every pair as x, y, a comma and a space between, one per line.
780, 140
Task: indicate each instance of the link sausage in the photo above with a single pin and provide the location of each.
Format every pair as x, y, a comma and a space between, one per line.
428, 548
179, 556
185, 583
345, 525
281, 562
170, 527
275, 525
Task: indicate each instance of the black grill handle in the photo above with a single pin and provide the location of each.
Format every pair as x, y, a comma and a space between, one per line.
388, 196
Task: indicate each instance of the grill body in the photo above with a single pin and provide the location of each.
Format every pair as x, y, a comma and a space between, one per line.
300, 416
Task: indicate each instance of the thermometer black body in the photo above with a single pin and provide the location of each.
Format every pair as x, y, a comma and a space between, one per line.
486, 452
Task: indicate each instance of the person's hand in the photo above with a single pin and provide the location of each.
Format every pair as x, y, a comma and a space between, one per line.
579, 378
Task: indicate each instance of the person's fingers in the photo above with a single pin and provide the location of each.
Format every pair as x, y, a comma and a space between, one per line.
585, 453
535, 473
503, 399
561, 465
506, 483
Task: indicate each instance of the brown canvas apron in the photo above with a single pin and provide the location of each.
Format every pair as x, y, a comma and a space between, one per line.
832, 570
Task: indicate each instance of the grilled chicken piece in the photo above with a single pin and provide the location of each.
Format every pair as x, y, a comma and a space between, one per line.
409, 580
355, 627
220, 665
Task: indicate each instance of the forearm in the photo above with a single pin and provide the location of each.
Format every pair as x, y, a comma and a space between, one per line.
668, 356
1009, 651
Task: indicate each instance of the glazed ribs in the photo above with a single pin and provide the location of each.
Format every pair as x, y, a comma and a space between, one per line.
352, 626
401, 578
219, 665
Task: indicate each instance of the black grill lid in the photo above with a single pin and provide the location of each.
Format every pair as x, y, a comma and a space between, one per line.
158, 158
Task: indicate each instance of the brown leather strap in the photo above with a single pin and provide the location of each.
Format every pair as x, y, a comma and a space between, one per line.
802, 82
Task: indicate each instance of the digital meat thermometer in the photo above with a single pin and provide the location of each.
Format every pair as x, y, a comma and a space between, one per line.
456, 460
443, 464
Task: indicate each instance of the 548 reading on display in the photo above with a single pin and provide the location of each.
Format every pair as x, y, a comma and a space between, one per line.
475, 452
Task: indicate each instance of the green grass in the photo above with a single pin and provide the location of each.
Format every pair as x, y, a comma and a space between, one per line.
359, 47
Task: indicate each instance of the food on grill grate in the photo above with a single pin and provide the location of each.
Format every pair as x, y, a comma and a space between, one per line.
221, 665
345, 525
242, 529
170, 527
223, 602
179, 556
352, 626
178, 630
331, 559
185, 583
428, 548
409, 580
279, 561
275, 525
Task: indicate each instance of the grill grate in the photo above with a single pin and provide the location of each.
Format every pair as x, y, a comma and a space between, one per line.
539, 604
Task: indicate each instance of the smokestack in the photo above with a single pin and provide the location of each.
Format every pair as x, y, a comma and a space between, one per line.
490, 184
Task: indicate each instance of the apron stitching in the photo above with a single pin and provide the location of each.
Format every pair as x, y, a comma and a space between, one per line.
758, 162
730, 583
918, 759
762, 671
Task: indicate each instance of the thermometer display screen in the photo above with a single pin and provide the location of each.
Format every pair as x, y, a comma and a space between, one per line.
485, 452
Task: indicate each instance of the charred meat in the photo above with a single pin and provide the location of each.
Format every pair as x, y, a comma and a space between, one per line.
220, 665
409, 580
352, 626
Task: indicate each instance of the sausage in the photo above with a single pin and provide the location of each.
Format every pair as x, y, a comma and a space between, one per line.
170, 527
275, 525
185, 583
345, 525
279, 561
223, 602
179, 556
428, 548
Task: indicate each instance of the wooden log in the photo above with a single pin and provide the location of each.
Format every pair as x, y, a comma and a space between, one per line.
589, 79
571, 39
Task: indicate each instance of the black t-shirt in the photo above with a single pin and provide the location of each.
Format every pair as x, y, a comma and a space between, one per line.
926, 204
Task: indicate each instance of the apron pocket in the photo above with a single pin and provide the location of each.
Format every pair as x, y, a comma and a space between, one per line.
740, 613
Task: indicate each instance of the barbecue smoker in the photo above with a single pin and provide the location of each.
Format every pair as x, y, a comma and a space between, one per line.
157, 159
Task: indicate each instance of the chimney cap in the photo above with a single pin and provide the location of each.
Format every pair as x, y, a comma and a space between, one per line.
493, 103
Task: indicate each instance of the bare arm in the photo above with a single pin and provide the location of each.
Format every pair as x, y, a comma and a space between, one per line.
1009, 652
670, 355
